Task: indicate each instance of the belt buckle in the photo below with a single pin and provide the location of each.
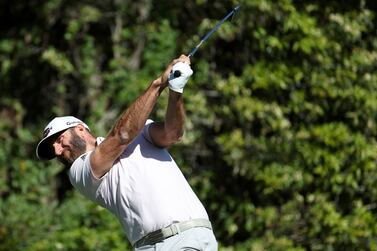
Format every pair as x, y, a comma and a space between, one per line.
175, 228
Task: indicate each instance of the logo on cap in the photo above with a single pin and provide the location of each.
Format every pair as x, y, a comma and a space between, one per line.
46, 131
73, 122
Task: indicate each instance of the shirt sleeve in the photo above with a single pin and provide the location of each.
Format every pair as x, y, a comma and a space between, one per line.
146, 130
82, 178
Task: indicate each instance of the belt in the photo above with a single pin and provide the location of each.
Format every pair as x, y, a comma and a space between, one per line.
171, 230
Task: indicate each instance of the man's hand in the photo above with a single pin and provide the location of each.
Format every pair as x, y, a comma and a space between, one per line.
179, 76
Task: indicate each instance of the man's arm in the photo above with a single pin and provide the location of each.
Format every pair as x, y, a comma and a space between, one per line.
165, 134
128, 125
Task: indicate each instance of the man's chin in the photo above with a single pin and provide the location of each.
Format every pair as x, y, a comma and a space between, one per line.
67, 162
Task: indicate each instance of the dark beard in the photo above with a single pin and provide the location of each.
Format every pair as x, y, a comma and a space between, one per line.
78, 147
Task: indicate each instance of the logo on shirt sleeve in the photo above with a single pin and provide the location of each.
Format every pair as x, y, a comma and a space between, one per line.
83, 156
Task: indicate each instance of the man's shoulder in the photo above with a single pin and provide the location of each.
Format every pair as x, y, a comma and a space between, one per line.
78, 164
82, 157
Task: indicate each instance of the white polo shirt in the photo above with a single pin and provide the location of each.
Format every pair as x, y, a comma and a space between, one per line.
144, 189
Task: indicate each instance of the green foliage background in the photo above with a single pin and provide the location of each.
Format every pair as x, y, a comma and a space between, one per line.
281, 116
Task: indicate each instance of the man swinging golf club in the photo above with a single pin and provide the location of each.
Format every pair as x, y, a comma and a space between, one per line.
131, 173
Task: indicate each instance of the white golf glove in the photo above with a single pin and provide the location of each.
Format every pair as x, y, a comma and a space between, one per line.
178, 80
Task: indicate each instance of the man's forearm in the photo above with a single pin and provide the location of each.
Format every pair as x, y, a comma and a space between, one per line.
175, 116
133, 119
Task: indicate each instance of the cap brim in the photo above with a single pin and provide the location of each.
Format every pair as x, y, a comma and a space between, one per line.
44, 149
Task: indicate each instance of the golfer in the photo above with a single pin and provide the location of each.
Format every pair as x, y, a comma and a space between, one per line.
131, 173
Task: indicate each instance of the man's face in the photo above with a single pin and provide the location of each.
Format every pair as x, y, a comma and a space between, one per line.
69, 146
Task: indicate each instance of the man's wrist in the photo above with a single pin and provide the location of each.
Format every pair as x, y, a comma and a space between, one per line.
158, 83
175, 93
176, 90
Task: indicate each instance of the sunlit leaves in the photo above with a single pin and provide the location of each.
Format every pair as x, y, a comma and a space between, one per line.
58, 60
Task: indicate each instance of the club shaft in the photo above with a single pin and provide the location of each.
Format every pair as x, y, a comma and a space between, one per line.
213, 30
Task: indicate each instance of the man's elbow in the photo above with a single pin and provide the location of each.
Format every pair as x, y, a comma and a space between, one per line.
123, 136
177, 138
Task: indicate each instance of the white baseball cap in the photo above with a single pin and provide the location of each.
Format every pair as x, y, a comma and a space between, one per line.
44, 149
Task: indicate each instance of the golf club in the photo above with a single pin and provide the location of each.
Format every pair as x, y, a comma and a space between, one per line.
232, 13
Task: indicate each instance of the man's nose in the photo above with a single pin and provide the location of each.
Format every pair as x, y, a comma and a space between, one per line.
58, 149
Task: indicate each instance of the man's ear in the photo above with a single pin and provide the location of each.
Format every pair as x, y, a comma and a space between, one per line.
79, 129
